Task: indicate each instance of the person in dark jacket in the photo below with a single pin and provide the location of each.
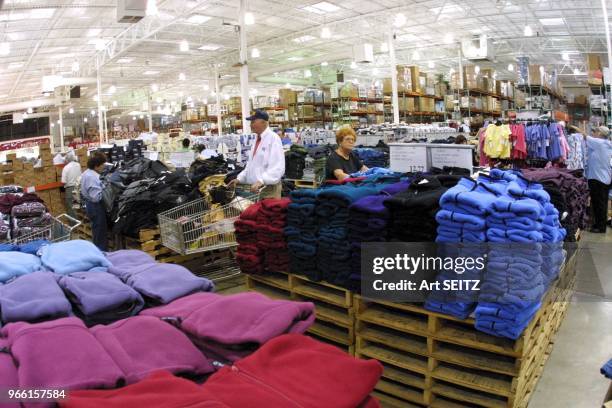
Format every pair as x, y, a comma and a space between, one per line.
91, 193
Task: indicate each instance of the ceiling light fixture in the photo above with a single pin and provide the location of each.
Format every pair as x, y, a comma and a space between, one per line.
326, 32
249, 18
255, 53
324, 64
528, 32
112, 89
198, 19
399, 20
209, 47
384, 47
184, 46
431, 64
155, 87
85, 120
158, 100
287, 85
182, 77
5, 48
449, 38
375, 71
303, 39
151, 9
71, 111
75, 66
353, 65
52, 125
307, 73
576, 71
565, 56
511, 67
321, 8
416, 56
541, 70
133, 117
114, 103
477, 69
30, 110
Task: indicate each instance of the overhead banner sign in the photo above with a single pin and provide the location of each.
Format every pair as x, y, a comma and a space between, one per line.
22, 144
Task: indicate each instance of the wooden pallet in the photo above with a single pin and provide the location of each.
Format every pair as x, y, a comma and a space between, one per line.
440, 361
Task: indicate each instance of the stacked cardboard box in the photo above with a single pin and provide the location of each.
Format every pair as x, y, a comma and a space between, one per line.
471, 78
595, 75
426, 104
406, 104
54, 201
286, 97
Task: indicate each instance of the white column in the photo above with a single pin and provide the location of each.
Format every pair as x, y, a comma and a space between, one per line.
461, 84
393, 62
61, 128
99, 86
609, 43
244, 71
218, 97
105, 128
150, 102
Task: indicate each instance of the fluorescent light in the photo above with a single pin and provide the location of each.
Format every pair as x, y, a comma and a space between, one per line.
52, 124
5, 48
182, 77
287, 85
431, 64
154, 87
93, 32
255, 53
85, 120
324, 64
112, 89
374, 71
209, 47
449, 38
133, 117
75, 66
226, 97
399, 20
249, 18
541, 70
322, 8
15, 65
353, 65
295, 59
181, 94
124, 60
511, 67
576, 71
42, 13
95, 98
528, 32
565, 56
198, 19
206, 87
184, 46
416, 56
307, 73
114, 104
93, 113
150, 73
71, 110
151, 9
552, 21
30, 110
141, 116
158, 100
451, 71
384, 47
325, 32
303, 39
477, 69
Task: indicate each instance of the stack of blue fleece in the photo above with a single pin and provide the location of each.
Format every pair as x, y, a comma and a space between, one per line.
334, 249
606, 369
514, 282
301, 233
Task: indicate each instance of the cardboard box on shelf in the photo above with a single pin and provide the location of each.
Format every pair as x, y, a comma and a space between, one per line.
286, 97
449, 102
426, 104
535, 76
415, 78
580, 100
406, 104
422, 83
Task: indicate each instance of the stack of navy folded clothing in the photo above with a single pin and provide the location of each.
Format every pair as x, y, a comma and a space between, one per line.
301, 233
250, 255
271, 220
372, 157
334, 249
413, 211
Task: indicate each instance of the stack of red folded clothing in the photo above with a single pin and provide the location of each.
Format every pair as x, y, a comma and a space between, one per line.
249, 254
271, 220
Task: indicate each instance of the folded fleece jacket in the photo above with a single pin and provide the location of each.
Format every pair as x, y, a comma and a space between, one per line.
454, 219
286, 372
73, 256
505, 207
61, 353
141, 345
32, 298
8, 373
513, 235
100, 297
13, 264
158, 283
469, 197
232, 326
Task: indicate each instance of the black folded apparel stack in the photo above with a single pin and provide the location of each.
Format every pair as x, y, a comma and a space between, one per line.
295, 161
301, 233
200, 169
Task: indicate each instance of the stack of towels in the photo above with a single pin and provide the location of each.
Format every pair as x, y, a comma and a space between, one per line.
301, 233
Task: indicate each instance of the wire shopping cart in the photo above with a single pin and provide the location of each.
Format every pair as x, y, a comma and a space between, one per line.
201, 226
60, 229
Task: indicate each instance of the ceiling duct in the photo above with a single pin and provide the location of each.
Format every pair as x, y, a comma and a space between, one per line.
131, 11
478, 49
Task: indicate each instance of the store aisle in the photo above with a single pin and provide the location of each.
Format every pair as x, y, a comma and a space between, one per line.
571, 377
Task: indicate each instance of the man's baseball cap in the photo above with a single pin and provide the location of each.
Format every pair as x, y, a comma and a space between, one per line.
259, 114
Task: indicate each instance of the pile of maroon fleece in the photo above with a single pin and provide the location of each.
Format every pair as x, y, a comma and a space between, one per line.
259, 233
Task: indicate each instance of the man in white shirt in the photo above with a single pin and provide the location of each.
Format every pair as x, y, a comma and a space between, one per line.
266, 163
70, 174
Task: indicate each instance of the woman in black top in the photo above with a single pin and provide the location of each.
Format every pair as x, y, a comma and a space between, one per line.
342, 161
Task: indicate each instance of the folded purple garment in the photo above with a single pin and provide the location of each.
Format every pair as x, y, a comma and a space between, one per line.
373, 205
100, 297
29, 209
33, 297
128, 257
141, 345
8, 373
37, 221
234, 326
60, 354
158, 283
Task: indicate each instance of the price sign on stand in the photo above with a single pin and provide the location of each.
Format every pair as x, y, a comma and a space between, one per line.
451, 156
406, 157
182, 159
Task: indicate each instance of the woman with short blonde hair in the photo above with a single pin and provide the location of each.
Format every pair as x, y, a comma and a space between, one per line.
343, 161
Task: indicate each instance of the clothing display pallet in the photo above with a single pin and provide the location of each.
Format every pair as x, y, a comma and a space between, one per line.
305, 183
333, 304
440, 361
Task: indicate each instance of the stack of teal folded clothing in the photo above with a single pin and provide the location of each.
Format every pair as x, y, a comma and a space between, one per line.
301, 233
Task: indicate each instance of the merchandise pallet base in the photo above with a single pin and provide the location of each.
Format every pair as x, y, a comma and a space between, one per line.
436, 360
333, 305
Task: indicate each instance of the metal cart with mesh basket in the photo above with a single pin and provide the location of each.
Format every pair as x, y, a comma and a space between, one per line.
60, 229
200, 226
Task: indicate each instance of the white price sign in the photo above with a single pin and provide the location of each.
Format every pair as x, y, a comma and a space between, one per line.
182, 159
406, 157
451, 156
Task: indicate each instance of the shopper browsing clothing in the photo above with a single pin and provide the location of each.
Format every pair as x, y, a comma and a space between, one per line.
599, 175
342, 162
266, 162
91, 195
70, 174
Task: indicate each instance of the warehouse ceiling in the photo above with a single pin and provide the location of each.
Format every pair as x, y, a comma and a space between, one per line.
173, 53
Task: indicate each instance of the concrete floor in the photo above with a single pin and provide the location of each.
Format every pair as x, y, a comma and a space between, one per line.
571, 377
